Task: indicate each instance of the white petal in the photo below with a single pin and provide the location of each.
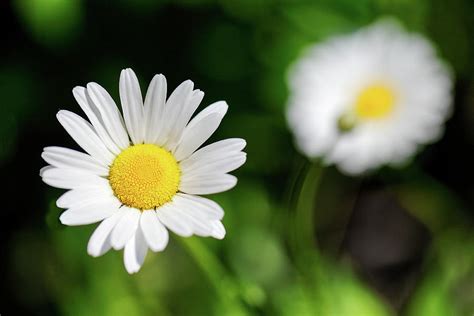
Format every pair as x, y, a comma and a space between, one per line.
68, 158
205, 207
220, 107
45, 168
199, 225
77, 197
200, 129
173, 108
125, 228
135, 252
90, 213
156, 235
208, 184
95, 118
183, 118
110, 114
169, 216
222, 164
218, 230
71, 178
84, 135
132, 105
99, 243
154, 108
222, 148
196, 218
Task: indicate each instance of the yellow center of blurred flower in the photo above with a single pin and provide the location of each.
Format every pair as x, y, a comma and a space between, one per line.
144, 176
375, 102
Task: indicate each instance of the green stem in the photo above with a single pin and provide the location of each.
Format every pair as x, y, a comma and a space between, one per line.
224, 284
303, 235
303, 230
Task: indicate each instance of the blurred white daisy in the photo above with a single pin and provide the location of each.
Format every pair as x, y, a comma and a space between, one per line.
369, 98
142, 172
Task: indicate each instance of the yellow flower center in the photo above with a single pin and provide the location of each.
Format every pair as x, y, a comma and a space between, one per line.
144, 176
375, 102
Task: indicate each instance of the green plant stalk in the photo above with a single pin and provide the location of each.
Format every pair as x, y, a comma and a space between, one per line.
303, 236
217, 275
303, 230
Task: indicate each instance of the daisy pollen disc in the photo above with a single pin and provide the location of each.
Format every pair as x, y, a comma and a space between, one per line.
144, 176
375, 102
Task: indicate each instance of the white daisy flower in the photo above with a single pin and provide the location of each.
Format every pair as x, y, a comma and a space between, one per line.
142, 173
369, 98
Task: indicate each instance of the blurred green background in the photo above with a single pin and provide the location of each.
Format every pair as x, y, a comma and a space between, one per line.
396, 242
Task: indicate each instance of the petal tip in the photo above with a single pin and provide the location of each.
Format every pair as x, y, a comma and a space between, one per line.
159, 77
92, 85
63, 219
60, 114
92, 252
78, 89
